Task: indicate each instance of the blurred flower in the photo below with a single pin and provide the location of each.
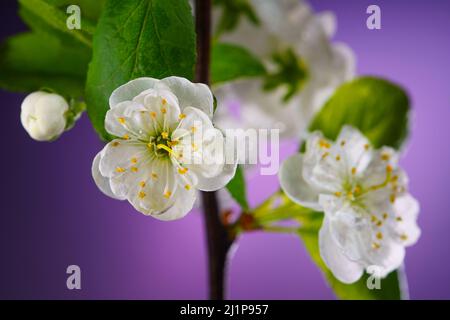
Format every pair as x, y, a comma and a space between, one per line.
43, 115
304, 67
166, 147
369, 215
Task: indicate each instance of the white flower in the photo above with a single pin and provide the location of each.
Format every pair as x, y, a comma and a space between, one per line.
369, 215
289, 29
43, 115
160, 158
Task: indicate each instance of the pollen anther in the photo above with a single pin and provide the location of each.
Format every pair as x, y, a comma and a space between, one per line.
167, 194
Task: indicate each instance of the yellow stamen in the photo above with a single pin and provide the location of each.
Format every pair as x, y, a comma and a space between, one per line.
182, 170
338, 158
399, 219
338, 193
193, 129
142, 194
142, 184
115, 143
385, 156
165, 135
126, 137
366, 147
379, 235
375, 245
343, 143
181, 116
353, 170
392, 198
404, 237
326, 154
134, 160
154, 176
187, 187
324, 144
172, 143
385, 216
164, 110
167, 194
389, 168
120, 170
121, 120
153, 114
164, 147
164, 101
379, 223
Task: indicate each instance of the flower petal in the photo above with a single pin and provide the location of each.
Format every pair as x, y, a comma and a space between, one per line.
345, 224
182, 206
377, 170
356, 149
120, 156
101, 181
343, 63
160, 195
343, 269
191, 94
327, 21
295, 186
127, 119
130, 90
219, 181
387, 258
406, 229
323, 167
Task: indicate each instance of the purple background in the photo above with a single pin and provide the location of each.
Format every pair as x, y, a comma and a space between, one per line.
52, 215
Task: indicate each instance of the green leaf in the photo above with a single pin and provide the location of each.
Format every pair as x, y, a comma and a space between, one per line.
29, 62
42, 16
236, 187
375, 106
390, 286
231, 62
232, 12
147, 38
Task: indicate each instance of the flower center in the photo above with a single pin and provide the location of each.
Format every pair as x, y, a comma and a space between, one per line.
354, 191
161, 145
291, 73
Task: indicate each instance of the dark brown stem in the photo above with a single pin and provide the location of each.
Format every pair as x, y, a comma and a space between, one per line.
217, 237
203, 29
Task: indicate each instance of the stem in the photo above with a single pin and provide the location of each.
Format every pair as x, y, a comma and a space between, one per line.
217, 237
280, 229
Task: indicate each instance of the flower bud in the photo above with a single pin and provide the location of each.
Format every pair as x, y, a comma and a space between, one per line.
43, 115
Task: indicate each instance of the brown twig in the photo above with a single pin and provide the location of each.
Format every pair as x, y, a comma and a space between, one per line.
217, 237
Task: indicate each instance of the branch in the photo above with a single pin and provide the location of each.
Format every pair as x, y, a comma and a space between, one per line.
217, 237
